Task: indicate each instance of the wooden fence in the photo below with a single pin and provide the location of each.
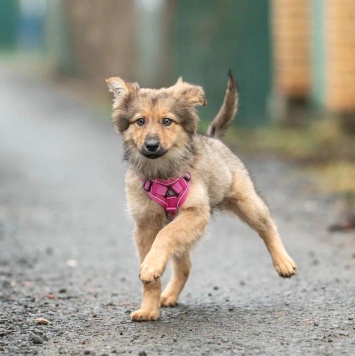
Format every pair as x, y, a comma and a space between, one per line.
340, 55
291, 33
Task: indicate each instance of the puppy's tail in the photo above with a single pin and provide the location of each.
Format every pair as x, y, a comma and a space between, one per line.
227, 111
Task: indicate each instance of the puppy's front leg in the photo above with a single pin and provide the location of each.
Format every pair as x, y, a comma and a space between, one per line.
144, 235
174, 239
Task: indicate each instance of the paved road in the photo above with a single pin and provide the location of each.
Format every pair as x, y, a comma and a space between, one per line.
67, 255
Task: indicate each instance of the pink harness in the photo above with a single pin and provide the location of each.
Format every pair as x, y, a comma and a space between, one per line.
170, 194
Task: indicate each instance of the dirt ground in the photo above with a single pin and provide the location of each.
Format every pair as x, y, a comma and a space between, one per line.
67, 255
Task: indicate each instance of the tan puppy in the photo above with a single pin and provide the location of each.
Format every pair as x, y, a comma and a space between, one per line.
160, 139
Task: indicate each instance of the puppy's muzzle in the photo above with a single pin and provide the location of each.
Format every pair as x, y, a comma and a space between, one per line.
152, 146
152, 149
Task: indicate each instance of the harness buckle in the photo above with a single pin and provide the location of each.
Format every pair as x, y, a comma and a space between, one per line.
147, 185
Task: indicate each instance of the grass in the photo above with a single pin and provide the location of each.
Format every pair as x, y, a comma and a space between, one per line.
322, 148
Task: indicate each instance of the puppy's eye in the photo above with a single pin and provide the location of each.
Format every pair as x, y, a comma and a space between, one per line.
140, 122
167, 121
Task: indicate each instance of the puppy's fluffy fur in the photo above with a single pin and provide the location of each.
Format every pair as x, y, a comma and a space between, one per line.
159, 129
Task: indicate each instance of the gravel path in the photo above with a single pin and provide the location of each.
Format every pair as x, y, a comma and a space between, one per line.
67, 255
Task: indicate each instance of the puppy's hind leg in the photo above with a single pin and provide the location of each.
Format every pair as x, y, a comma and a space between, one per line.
181, 271
245, 202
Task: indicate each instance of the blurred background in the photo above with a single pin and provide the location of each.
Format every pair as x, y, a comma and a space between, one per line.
294, 61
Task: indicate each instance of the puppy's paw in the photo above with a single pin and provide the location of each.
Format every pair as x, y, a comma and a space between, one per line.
168, 300
285, 267
145, 315
151, 270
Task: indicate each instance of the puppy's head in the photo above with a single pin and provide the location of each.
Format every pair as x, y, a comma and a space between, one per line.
155, 123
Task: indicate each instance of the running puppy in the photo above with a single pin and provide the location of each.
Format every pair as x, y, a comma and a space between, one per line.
177, 177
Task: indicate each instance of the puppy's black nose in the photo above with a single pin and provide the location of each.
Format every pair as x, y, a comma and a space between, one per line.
152, 145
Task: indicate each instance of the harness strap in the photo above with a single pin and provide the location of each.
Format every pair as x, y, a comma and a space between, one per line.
170, 194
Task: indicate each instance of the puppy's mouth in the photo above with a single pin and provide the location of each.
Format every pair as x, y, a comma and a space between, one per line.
153, 155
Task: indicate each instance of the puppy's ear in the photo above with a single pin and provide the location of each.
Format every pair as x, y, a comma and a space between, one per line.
192, 94
121, 89
123, 92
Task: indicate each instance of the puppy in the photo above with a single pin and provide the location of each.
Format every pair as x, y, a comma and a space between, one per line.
177, 178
